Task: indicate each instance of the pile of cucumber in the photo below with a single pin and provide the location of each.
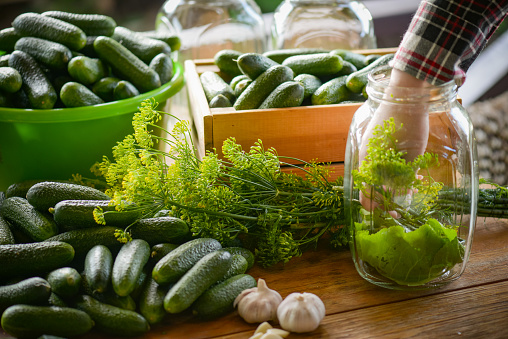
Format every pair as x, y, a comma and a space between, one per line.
59, 59
63, 274
289, 78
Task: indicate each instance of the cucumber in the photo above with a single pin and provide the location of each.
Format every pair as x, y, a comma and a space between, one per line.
161, 229
6, 237
86, 70
158, 251
246, 253
226, 61
33, 258
207, 271
45, 27
241, 86
151, 301
371, 58
8, 38
28, 321
219, 299
124, 90
172, 40
254, 64
236, 80
65, 281
36, 84
4, 60
75, 214
279, 55
238, 265
162, 64
143, 47
23, 216
310, 84
113, 320
55, 300
316, 64
214, 85
128, 266
98, 267
105, 87
358, 60
31, 291
126, 64
332, 92
91, 24
174, 265
47, 194
48, 53
220, 101
260, 88
358, 80
287, 94
88, 50
10, 80
20, 189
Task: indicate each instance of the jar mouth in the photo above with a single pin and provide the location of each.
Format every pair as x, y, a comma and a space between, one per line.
379, 88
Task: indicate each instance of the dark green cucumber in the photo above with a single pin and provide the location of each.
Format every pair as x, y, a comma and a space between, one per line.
358, 60
124, 90
219, 101
287, 94
55, 300
91, 24
48, 53
158, 251
8, 38
86, 70
279, 55
27, 321
36, 84
219, 299
151, 301
332, 92
213, 85
105, 88
207, 271
162, 64
236, 80
161, 229
172, 40
315, 64
33, 258
126, 64
74, 94
6, 237
10, 80
45, 27
175, 264
358, 80
4, 60
226, 61
64, 281
264, 84
22, 215
143, 47
20, 189
128, 266
98, 267
371, 58
31, 291
254, 64
241, 86
238, 265
246, 253
310, 84
47, 194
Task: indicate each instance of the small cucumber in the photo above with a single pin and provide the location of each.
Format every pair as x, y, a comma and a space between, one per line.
332, 92
172, 40
27, 321
174, 265
161, 229
219, 299
254, 64
36, 84
264, 84
151, 301
98, 267
124, 90
287, 94
238, 265
226, 61
6, 237
214, 85
20, 189
113, 320
371, 58
207, 271
46, 194
91, 24
45, 27
126, 64
55, 300
86, 70
162, 64
236, 80
10, 80
315, 64
22, 215
31, 291
33, 258
143, 47
128, 266
105, 88
279, 55
8, 38
358, 60
64, 281
246, 253
358, 80
241, 86
310, 84
4, 60
220, 101
158, 251
48, 53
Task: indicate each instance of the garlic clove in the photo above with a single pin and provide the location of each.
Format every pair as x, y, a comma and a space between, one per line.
279, 332
263, 327
258, 304
301, 312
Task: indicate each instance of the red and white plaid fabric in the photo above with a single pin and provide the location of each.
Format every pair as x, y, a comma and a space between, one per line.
446, 36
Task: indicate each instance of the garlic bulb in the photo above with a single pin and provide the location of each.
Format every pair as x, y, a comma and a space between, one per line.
301, 312
258, 304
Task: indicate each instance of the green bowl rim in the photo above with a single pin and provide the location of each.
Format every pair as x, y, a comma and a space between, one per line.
108, 109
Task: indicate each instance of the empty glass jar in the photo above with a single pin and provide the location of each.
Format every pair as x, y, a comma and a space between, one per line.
411, 185
326, 24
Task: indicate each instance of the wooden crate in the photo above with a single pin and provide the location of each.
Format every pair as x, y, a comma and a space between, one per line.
308, 133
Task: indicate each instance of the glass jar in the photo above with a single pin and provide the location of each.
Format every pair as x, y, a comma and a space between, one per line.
326, 24
207, 26
410, 185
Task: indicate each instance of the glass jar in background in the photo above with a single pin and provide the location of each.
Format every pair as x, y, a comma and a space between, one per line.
208, 26
327, 24
410, 185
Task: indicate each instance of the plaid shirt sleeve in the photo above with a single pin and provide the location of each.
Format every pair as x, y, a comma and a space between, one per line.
446, 36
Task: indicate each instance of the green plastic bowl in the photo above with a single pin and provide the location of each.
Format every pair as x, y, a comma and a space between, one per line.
54, 144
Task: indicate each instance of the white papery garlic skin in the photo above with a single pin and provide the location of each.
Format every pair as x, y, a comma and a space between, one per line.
301, 312
258, 304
